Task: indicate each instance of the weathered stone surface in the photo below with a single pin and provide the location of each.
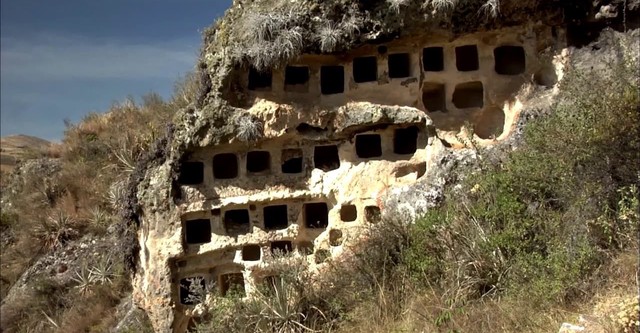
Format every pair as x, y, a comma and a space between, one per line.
260, 164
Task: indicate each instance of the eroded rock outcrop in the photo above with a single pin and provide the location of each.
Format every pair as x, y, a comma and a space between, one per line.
313, 120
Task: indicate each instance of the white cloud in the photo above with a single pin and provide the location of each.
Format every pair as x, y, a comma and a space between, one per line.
54, 57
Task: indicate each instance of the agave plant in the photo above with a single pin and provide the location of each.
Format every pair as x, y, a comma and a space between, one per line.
55, 229
279, 309
99, 217
249, 128
395, 5
84, 280
102, 273
491, 8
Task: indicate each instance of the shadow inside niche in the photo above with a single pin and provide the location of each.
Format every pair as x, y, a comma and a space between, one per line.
489, 123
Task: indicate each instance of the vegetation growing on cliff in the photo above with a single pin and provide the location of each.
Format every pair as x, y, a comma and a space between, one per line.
77, 198
523, 242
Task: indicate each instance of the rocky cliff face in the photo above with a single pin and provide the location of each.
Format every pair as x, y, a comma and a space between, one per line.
315, 120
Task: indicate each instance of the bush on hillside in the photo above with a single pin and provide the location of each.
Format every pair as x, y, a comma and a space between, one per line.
527, 230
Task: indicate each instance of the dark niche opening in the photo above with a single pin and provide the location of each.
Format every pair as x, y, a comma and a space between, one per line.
335, 237
405, 140
192, 290
281, 247
469, 95
368, 145
372, 214
236, 222
305, 128
490, 124
232, 283
197, 231
365, 69
399, 65
348, 213
467, 58
316, 215
275, 217
258, 161
405, 170
191, 173
305, 247
225, 166
296, 78
291, 160
509, 60
433, 97
326, 157
433, 59
251, 252
331, 80
259, 80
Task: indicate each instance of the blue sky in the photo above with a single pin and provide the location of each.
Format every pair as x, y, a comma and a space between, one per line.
62, 59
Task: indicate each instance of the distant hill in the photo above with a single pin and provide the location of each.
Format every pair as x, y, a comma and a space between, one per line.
16, 147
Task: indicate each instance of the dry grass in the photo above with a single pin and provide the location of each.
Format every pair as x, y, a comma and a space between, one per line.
53, 206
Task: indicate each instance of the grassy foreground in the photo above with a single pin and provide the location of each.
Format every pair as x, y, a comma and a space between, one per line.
530, 239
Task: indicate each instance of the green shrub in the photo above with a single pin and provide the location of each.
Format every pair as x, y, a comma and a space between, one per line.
527, 228
538, 223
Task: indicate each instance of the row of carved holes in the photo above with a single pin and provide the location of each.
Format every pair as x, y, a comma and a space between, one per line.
276, 217
326, 158
465, 95
296, 78
253, 252
509, 60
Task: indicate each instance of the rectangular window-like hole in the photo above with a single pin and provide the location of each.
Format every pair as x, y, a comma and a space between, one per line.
368, 145
372, 214
348, 213
326, 157
232, 283
433, 59
433, 96
275, 217
467, 58
399, 65
197, 231
331, 80
291, 160
191, 173
335, 237
316, 215
281, 247
509, 60
365, 69
236, 222
258, 161
191, 289
251, 252
259, 80
405, 140
305, 247
469, 95
296, 78
225, 166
